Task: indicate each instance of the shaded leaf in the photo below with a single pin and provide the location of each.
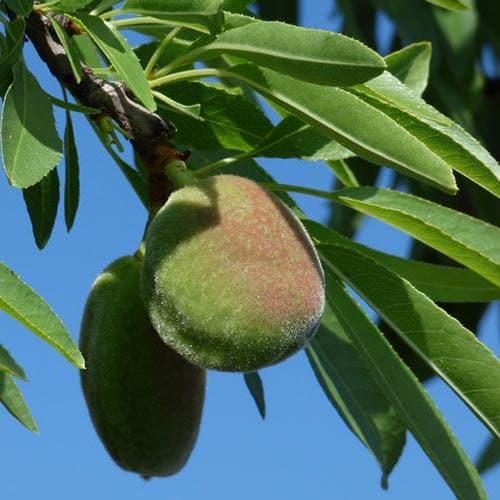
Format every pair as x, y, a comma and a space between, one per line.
120, 55
20, 7
354, 393
228, 119
254, 384
14, 41
19, 301
9, 365
13, 400
31, 147
72, 174
408, 397
490, 455
292, 138
311, 55
42, 200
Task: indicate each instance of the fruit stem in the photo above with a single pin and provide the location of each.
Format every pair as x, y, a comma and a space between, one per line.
178, 174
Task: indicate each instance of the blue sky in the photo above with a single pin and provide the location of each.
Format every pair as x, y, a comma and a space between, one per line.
302, 449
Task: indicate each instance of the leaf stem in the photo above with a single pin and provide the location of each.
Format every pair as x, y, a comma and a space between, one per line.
212, 167
191, 74
176, 106
160, 49
274, 186
179, 61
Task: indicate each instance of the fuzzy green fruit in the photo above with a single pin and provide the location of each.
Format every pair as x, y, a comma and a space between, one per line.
230, 278
144, 399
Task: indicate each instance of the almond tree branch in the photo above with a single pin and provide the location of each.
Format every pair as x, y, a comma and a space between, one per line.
150, 133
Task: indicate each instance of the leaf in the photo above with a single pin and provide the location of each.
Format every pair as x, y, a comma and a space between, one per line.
254, 384
89, 52
445, 138
236, 5
42, 200
490, 455
354, 393
71, 106
12, 398
292, 138
71, 5
408, 397
229, 120
343, 173
470, 241
14, 40
20, 7
203, 15
439, 283
311, 55
452, 4
30, 145
19, 301
72, 174
452, 351
70, 48
411, 65
338, 114
8, 364
120, 55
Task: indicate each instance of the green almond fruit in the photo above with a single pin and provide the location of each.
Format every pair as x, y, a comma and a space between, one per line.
144, 399
231, 279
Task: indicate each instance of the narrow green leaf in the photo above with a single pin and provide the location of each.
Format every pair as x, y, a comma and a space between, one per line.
452, 4
343, 173
360, 127
13, 400
31, 146
411, 65
292, 138
490, 455
254, 385
72, 5
120, 55
467, 240
9, 365
228, 119
19, 301
14, 41
90, 53
470, 241
354, 393
201, 14
451, 350
70, 48
20, 7
72, 174
311, 55
445, 138
71, 106
439, 283
408, 397
42, 200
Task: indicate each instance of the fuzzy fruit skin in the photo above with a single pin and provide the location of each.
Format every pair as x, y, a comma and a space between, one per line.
231, 279
144, 399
